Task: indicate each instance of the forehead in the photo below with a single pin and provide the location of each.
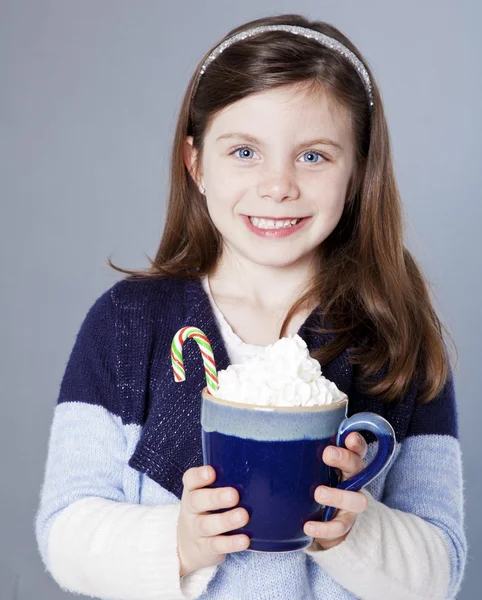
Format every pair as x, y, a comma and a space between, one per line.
291, 111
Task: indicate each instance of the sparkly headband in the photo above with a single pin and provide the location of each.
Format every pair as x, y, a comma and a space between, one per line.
323, 39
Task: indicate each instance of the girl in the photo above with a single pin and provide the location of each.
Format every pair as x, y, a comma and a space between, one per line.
284, 216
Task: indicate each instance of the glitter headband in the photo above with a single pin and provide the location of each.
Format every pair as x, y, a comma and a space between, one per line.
323, 39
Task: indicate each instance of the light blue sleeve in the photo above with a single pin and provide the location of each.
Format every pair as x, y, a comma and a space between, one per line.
86, 457
426, 480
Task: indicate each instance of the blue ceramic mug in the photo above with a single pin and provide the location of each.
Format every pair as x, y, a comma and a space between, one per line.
273, 457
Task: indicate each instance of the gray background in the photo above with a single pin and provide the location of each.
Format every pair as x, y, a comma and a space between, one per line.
89, 92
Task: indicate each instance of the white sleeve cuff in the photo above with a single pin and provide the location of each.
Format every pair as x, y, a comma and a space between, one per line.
194, 584
388, 554
120, 551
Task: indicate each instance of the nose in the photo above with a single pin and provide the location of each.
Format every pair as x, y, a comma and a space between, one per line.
278, 186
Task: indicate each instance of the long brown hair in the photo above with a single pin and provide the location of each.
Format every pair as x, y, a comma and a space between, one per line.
372, 292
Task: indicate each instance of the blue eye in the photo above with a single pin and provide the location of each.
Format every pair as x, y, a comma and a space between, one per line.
313, 153
242, 148
247, 149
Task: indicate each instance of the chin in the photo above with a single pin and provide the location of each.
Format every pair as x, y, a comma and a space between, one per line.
277, 260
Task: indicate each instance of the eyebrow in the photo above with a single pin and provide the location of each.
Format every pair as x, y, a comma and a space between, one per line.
254, 140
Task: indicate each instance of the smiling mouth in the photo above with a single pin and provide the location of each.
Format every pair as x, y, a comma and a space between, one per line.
266, 223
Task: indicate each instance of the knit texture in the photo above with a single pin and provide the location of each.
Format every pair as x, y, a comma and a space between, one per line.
124, 430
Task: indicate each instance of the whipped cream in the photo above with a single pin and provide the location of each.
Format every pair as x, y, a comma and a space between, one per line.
283, 374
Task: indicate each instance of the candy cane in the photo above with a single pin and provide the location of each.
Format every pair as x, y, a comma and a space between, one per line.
206, 351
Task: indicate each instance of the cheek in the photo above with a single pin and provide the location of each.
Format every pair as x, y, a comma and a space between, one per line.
330, 210
226, 187
221, 210
332, 202
224, 198
338, 208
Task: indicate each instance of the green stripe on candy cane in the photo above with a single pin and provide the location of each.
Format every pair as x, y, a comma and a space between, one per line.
206, 352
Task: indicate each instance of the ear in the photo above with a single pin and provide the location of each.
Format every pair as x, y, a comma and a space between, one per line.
190, 157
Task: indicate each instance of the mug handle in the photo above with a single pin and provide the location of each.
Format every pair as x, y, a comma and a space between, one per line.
386, 447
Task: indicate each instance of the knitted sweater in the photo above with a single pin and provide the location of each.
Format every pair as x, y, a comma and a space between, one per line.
123, 433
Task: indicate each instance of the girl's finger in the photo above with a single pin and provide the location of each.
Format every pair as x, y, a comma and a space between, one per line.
356, 443
354, 502
222, 544
203, 500
331, 530
345, 460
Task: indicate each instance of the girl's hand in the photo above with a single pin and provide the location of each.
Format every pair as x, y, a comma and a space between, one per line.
200, 538
350, 462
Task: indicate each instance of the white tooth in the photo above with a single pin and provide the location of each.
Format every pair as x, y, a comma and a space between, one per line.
271, 223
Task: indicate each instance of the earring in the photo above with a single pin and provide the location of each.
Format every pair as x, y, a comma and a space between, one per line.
202, 190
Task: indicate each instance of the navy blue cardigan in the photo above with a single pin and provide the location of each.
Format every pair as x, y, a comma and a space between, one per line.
129, 372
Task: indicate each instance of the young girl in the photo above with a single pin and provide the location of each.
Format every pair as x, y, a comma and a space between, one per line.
284, 216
